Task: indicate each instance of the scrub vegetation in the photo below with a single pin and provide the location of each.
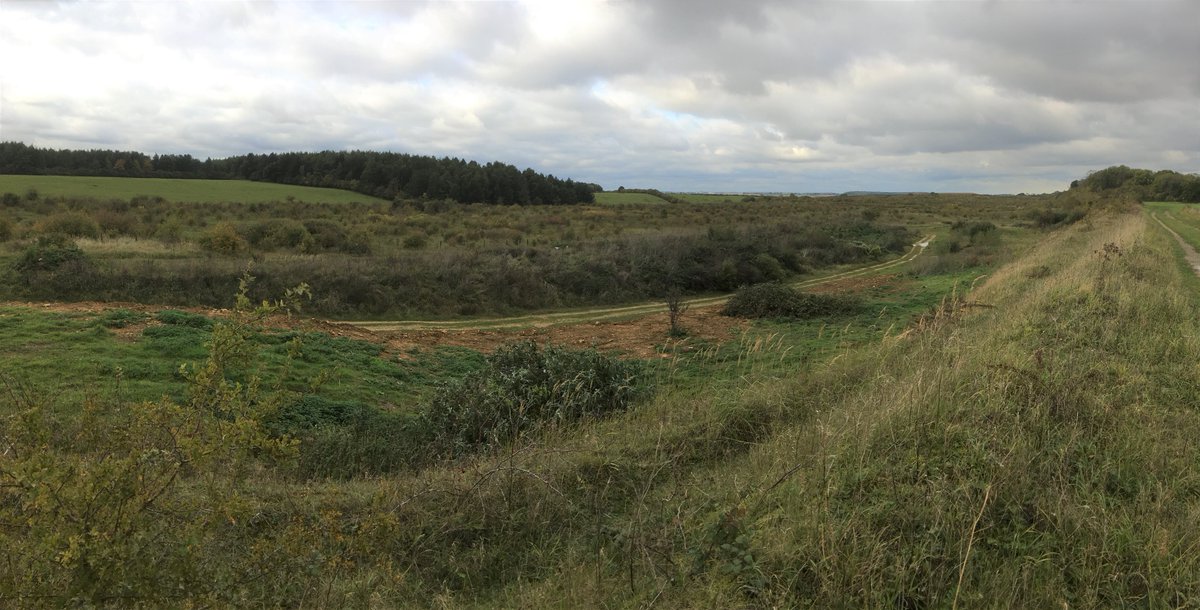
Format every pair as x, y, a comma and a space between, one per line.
1008, 420
440, 259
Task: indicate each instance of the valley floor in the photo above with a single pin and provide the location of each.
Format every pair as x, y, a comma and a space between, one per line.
1029, 441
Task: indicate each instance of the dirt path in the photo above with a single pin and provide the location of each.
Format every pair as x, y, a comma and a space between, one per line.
634, 330
627, 311
1189, 253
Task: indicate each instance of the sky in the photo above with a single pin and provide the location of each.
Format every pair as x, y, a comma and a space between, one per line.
989, 96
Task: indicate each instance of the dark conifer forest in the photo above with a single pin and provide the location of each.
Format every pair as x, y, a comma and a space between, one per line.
381, 174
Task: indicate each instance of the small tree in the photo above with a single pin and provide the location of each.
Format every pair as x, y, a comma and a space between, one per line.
676, 307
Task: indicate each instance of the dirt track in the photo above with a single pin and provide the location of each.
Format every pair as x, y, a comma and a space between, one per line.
1189, 253
626, 311
636, 330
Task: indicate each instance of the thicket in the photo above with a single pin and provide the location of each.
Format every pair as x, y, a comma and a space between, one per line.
776, 300
380, 174
374, 260
1142, 184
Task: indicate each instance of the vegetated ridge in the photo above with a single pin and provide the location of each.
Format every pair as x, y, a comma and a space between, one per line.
1142, 184
387, 175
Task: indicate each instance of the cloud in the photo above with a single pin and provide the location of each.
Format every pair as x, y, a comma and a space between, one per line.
688, 95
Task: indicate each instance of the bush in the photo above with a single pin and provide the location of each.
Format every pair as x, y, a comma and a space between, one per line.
1048, 217
523, 389
75, 224
54, 267
279, 233
775, 300
50, 253
326, 234
6, 229
314, 412
223, 238
345, 439
971, 229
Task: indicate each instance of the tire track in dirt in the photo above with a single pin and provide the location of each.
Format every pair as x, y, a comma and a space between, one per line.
621, 312
634, 330
1189, 253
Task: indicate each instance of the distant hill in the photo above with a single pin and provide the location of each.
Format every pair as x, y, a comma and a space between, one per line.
379, 174
1143, 184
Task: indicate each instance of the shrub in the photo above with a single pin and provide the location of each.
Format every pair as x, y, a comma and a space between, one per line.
414, 241
775, 300
357, 243
75, 224
344, 439
326, 234
54, 267
50, 253
279, 233
523, 389
113, 223
6, 229
223, 238
1048, 217
971, 229
314, 412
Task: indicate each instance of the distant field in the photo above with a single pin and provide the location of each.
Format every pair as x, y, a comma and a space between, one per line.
243, 191
613, 197
708, 197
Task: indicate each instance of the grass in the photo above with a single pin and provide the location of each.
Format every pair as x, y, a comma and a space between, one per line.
179, 190
779, 349
1034, 453
613, 197
135, 356
709, 197
1029, 442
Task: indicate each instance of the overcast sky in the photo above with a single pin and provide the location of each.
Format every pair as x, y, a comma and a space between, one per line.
691, 95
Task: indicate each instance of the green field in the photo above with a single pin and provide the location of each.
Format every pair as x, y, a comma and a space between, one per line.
613, 197
181, 190
709, 197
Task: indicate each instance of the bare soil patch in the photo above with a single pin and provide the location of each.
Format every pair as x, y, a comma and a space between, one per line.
640, 337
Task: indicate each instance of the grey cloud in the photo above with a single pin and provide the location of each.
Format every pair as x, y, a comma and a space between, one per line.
759, 95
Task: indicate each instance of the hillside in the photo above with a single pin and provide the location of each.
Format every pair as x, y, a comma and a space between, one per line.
173, 189
1006, 420
386, 175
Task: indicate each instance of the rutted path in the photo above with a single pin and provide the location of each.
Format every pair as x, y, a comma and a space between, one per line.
1189, 253
609, 313
635, 330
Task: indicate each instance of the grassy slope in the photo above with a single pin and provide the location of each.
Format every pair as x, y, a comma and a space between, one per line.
76, 355
1033, 451
1041, 445
243, 191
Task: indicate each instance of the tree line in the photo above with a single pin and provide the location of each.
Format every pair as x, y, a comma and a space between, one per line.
1143, 184
381, 174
